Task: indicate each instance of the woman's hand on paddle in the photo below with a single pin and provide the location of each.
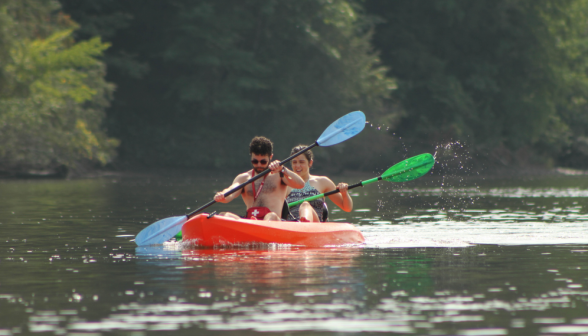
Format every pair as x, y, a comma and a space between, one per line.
343, 187
346, 203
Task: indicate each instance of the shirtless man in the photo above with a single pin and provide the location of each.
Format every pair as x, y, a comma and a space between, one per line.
265, 197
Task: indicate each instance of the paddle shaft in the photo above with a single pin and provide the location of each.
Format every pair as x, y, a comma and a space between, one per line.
359, 184
340, 130
329, 193
253, 179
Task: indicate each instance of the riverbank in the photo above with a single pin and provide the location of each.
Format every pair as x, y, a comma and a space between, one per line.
438, 170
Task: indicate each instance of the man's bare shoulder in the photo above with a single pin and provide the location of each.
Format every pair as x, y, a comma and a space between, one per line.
243, 177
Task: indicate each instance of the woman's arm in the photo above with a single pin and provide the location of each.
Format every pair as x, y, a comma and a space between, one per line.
342, 199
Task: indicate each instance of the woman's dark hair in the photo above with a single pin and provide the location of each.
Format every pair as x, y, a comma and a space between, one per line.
298, 148
261, 146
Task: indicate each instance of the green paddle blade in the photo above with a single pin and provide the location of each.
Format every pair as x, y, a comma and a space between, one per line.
410, 168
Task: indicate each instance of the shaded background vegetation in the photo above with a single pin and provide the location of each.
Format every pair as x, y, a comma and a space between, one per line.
190, 82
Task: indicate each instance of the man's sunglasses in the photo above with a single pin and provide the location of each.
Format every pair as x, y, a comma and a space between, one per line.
263, 161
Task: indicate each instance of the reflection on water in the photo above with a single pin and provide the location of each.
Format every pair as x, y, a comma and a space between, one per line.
483, 290
423, 216
485, 259
498, 192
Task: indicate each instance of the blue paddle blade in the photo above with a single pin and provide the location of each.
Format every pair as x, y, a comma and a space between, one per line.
342, 129
149, 252
160, 231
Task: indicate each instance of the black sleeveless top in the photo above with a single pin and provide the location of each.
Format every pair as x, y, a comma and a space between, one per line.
318, 205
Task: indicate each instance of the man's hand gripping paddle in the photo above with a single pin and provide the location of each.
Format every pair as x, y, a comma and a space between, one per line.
340, 130
407, 170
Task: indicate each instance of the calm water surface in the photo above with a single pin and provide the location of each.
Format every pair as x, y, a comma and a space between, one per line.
442, 257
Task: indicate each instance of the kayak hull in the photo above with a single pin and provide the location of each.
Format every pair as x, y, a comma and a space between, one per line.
219, 230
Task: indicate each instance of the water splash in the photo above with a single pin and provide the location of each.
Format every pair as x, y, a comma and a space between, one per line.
453, 158
379, 127
454, 165
449, 176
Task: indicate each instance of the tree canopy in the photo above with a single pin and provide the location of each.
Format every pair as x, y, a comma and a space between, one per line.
221, 72
53, 92
197, 79
503, 75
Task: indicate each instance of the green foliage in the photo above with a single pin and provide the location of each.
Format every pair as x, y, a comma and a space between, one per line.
495, 73
53, 95
197, 79
223, 72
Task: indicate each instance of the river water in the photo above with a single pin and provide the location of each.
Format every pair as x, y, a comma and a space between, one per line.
443, 256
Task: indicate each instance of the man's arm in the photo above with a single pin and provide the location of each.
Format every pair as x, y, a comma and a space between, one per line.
289, 178
220, 196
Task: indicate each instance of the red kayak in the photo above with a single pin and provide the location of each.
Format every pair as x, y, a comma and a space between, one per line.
220, 230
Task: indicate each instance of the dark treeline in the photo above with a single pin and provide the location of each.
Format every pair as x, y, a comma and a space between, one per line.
189, 82
196, 80
507, 77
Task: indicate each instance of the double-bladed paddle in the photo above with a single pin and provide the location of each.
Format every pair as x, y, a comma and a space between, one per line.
407, 170
340, 130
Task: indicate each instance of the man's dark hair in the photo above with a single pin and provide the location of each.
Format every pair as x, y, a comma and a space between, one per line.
261, 146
